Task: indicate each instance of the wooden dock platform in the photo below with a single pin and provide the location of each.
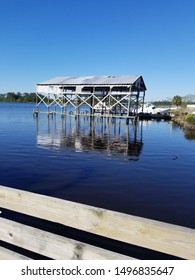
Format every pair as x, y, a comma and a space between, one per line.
162, 237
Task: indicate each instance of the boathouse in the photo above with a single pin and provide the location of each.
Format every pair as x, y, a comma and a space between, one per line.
109, 96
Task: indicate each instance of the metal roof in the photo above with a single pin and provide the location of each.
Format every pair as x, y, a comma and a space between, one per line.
92, 80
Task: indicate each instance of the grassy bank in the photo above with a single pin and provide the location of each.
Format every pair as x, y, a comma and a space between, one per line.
184, 117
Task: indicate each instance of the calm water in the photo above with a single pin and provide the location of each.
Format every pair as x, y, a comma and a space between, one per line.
148, 171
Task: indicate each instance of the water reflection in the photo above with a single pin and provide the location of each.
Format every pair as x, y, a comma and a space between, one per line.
112, 137
189, 134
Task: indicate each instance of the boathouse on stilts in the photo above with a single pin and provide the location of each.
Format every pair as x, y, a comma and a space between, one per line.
107, 96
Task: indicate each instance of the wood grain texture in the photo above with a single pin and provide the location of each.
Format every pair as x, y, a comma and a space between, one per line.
171, 239
6, 254
52, 245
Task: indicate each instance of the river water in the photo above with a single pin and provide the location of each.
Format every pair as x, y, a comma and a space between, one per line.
147, 170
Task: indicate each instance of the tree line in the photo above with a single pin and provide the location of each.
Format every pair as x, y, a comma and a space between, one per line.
18, 97
176, 100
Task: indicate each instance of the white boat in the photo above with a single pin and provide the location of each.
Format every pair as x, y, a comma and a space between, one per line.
150, 108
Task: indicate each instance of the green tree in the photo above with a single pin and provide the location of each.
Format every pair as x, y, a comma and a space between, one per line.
18, 97
10, 97
177, 100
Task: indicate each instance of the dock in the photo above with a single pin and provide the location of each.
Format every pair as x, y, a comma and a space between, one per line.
162, 237
110, 96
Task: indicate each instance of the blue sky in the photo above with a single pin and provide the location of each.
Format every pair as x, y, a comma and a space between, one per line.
42, 39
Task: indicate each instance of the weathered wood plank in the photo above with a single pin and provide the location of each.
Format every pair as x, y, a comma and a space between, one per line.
52, 245
171, 239
6, 254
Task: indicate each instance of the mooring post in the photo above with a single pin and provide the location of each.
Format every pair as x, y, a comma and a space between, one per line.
36, 112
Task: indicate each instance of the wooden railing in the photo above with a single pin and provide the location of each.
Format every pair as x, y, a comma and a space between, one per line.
162, 237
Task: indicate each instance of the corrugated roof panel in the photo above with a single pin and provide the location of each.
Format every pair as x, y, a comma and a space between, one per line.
91, 80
